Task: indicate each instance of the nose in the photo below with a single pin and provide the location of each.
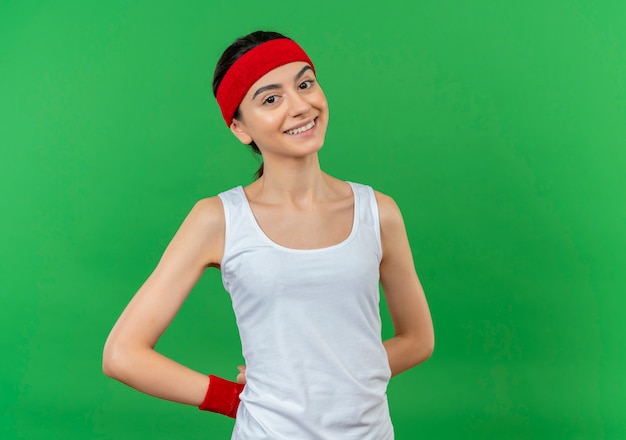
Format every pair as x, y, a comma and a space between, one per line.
298, 104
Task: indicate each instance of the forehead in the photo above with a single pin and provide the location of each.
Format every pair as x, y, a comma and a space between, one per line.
279, 76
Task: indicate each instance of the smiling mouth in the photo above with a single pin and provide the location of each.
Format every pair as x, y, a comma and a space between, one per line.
302, 129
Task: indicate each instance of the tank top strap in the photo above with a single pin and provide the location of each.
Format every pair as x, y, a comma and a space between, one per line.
232, 201
369, 219
240, 225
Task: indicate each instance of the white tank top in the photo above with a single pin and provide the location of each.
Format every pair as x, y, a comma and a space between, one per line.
310, 329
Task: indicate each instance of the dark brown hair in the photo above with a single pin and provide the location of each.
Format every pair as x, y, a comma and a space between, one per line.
230, 55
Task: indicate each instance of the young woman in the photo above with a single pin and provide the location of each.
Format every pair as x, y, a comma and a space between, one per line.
302, 255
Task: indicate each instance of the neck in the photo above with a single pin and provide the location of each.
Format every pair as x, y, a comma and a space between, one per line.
297, 181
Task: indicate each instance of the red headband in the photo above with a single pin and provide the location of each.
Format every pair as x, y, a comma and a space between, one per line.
251, 66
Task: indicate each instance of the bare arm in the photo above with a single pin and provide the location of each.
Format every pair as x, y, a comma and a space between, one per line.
129, 354
414, 339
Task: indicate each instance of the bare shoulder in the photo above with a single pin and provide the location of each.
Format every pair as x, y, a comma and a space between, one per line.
203, 230
388, 210
207, 213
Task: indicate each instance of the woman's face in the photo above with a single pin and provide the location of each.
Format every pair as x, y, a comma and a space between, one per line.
285, 113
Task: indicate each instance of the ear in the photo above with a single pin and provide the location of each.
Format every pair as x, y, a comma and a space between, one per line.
240, 132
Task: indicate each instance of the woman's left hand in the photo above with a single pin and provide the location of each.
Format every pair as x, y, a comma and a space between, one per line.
241, 377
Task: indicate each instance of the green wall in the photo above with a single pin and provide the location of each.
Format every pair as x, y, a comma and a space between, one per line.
498, 127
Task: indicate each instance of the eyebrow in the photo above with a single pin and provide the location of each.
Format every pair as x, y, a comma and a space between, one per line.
277, 86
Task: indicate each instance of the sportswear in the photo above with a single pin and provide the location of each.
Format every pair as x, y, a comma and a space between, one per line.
310, 329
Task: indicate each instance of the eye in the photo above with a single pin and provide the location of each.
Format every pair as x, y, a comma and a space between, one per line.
306, 84
270, 99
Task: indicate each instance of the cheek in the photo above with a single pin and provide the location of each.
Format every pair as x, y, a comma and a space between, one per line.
320, 101
265, 122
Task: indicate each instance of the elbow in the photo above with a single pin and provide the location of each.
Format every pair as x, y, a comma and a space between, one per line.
424, 349
108, 362
107, 366
113, 360
428, 349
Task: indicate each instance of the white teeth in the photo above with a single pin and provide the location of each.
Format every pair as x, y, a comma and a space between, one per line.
304, 128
